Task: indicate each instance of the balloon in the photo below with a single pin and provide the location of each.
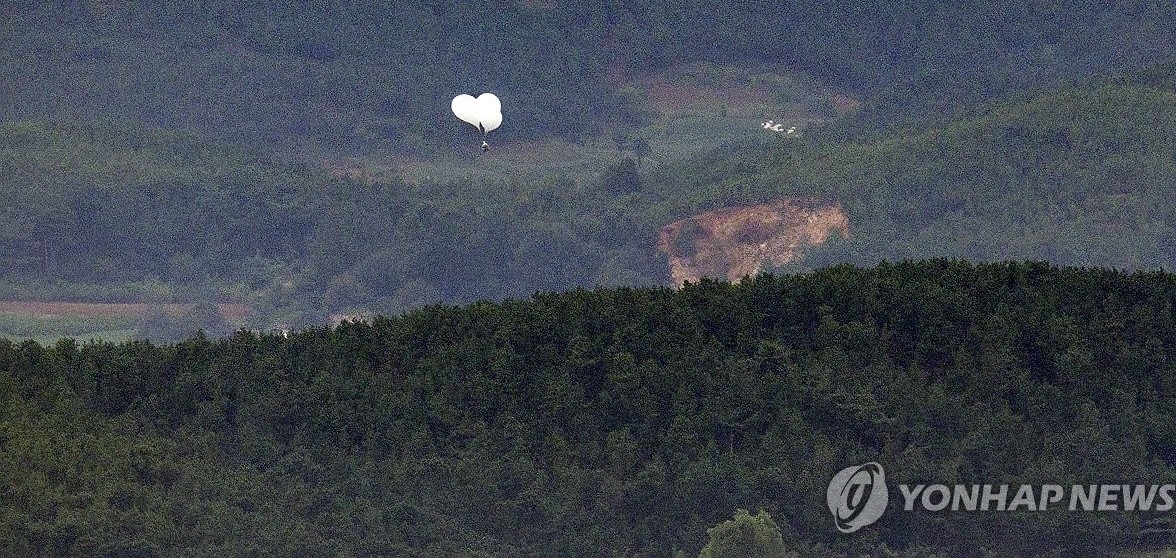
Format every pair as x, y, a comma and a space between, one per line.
465, 107
491, 122
491, 111
483, 113
490, 102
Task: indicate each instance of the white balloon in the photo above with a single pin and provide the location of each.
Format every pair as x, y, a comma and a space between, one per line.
490, 102
483, 113
491, 122
465, 107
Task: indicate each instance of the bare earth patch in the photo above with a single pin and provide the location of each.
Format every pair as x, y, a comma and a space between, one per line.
739, 91
669, 98
736, 242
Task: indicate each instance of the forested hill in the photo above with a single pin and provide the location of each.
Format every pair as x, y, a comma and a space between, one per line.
1081, 175
609, 422
361, 76
1078, 176
109, 212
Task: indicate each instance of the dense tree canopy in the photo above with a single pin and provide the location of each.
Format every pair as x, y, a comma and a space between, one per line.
142, 213
746, 536
1080, 175
372, 75
598, 423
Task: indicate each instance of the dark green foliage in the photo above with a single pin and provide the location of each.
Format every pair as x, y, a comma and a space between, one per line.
105, 204
598, 423
369, 76
160, 326
622, 178
109, 205
746, 536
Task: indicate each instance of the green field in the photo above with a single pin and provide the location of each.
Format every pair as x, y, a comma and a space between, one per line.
48, 329
48, 321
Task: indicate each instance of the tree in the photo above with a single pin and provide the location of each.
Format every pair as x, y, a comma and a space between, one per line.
622, 177
746, 536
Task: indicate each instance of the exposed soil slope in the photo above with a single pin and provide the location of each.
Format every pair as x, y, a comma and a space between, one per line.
735, 242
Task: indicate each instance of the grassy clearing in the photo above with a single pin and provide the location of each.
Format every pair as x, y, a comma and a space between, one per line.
669, 139
31, 325
47, 322
47, 329
692, 109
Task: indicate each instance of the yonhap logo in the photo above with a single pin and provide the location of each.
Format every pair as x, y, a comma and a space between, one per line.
857, 496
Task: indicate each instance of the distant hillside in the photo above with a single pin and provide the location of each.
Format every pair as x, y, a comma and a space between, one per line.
116, 213
371, 76
108, 204
1080, 176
